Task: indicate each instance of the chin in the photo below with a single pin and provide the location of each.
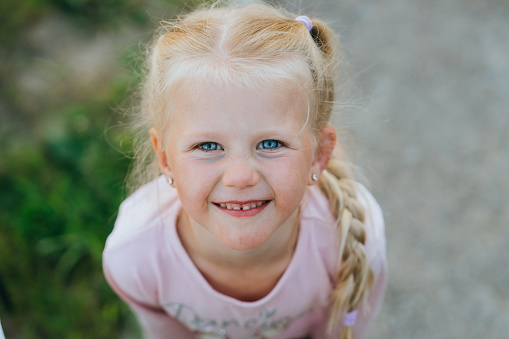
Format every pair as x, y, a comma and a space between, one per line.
244, 242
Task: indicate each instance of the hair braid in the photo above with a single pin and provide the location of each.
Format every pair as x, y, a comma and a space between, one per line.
354, 278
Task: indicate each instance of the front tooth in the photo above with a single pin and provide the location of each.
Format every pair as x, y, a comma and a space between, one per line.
236, 208
245, 208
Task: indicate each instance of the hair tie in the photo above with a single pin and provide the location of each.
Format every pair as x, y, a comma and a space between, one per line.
305, 20
350, 318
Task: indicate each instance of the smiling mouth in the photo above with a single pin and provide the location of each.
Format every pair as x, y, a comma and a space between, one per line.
246, 206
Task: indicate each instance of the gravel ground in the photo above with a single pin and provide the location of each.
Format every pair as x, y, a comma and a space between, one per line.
431, 135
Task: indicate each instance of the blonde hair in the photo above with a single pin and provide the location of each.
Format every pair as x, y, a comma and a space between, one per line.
253, 45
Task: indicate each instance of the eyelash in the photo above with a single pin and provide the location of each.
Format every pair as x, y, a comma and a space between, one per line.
220, 148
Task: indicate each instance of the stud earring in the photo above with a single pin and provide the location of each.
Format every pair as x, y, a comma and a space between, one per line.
170, 181
314, 177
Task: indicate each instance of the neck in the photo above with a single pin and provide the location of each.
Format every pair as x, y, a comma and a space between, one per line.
202, 246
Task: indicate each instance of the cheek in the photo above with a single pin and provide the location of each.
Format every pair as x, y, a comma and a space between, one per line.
194, 182
289, 179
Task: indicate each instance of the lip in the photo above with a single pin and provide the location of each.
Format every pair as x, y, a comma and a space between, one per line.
240, 202
240, 212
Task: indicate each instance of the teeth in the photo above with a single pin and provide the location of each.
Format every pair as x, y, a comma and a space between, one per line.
245, 207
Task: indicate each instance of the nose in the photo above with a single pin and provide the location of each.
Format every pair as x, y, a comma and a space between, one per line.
240, 174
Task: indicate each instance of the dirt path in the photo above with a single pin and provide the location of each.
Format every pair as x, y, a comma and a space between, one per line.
434, 76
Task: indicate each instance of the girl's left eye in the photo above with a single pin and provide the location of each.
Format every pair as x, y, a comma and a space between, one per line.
210, 146
269, 144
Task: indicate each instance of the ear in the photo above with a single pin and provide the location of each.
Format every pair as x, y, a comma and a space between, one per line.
162, 159
324, 151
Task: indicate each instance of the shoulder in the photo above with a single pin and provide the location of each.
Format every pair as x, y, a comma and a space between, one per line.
142, 210
316, 215
319, 228
316, 206
139, 240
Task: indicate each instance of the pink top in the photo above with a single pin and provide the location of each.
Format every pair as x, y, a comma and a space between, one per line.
146, 264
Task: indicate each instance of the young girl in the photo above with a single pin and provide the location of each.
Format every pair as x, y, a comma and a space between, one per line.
254, 229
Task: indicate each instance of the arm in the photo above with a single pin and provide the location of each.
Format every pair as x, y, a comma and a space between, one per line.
367, 315
156, 323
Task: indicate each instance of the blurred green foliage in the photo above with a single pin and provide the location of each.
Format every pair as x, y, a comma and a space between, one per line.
59, 196
18, 14
62, 169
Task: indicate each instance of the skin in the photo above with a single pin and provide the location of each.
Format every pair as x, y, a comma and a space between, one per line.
238, 147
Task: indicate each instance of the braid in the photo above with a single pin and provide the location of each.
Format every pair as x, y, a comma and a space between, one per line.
354, 278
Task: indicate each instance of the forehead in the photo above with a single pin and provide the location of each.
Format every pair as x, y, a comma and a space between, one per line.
210, 103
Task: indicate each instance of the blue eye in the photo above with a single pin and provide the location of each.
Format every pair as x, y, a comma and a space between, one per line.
269, 144
210, 146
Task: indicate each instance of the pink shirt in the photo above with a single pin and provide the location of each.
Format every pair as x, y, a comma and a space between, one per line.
146, 264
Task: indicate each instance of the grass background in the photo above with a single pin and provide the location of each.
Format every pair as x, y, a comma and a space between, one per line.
67, 67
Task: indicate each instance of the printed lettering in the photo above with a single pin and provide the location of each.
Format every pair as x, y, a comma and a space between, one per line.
265, 325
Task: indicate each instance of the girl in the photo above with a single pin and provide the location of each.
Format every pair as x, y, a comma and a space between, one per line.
254, 229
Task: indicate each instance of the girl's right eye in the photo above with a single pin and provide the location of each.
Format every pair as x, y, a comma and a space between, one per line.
210, 146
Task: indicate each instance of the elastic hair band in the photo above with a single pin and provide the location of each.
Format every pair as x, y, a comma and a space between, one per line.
305, 20
350, 318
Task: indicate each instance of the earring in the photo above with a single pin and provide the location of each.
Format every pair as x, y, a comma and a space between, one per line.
314, 177
170, 181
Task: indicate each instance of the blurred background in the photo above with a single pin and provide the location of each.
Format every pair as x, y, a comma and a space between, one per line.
67, 70
430, 88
